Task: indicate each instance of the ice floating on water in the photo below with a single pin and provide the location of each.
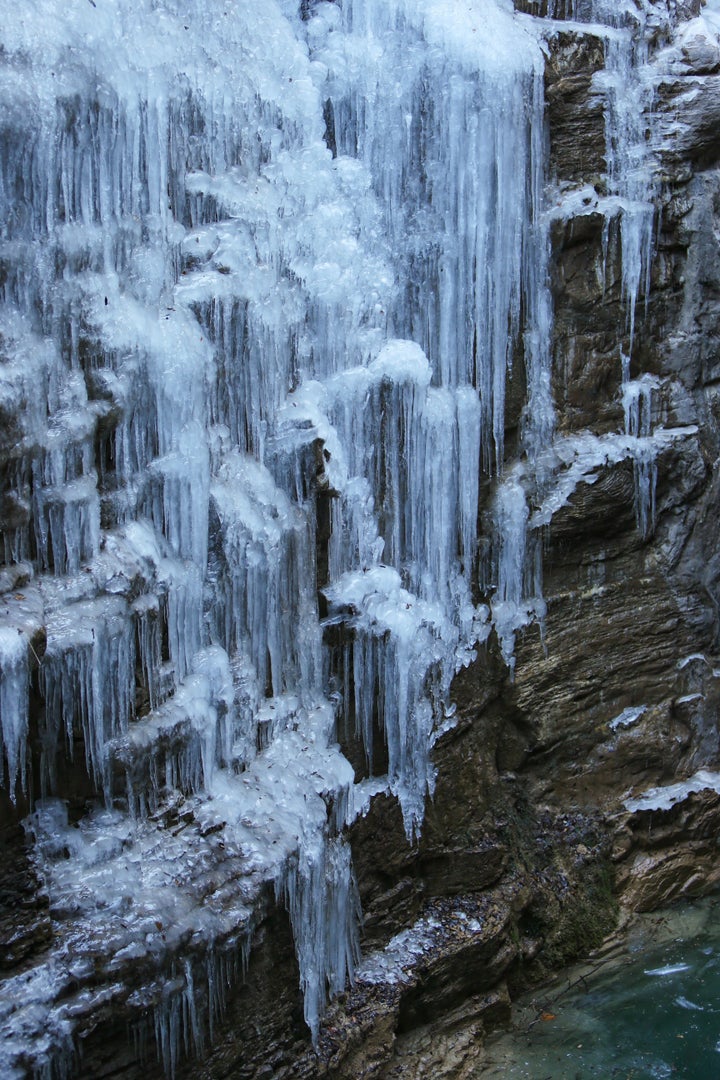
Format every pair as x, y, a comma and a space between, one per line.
684, 1003
669, 969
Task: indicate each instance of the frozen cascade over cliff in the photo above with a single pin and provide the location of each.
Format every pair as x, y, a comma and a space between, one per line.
238, 369
628, 93
263, 281
534, 490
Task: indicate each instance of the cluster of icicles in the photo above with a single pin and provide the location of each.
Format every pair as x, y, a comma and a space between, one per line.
263, 280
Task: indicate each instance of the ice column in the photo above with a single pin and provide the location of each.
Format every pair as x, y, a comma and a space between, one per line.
629, 98
444, 107
517, 599
13, 703
322, 900
637, 400
87, 680
215, 329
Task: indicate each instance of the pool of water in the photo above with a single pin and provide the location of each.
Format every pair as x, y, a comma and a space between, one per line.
650, 1009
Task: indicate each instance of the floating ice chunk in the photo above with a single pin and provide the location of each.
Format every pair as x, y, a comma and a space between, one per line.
684, 1003
668, 969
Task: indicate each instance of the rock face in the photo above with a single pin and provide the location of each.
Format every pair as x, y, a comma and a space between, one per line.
580, 779
533, 809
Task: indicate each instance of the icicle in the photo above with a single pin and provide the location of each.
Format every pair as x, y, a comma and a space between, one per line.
232, 321
149, 646
88, 672
184, 614
509, 611
645, 470
403, 657
629, 99
637, 400
14, 704
321, 896
454, 188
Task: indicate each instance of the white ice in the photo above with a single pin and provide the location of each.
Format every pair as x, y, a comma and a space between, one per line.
214, 320
666, 796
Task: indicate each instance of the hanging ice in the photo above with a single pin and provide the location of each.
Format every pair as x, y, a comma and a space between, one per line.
263, 283
13, 703
509, 610
628, 94
637, 400
444, 107
443, 104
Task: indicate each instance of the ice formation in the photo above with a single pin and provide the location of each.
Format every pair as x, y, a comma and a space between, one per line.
547, 479
627, 89
664, 798
264, 277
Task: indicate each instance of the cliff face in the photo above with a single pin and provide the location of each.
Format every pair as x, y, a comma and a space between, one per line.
588, 781
578, 777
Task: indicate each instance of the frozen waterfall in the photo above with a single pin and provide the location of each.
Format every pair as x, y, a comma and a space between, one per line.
265, 272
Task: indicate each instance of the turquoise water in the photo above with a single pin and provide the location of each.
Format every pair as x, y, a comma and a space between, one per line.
653, 1011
